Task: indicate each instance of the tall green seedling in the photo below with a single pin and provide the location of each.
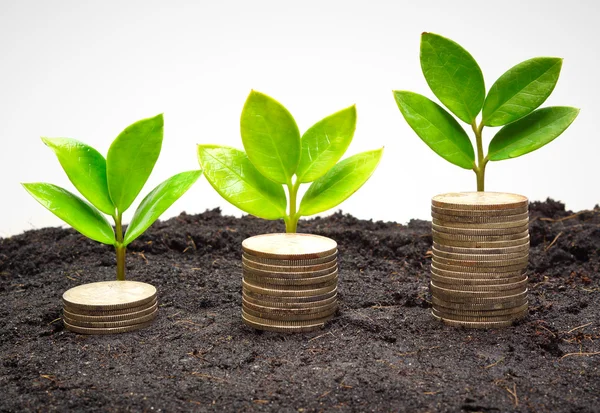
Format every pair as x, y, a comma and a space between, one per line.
276, 157
111, 185
457, 81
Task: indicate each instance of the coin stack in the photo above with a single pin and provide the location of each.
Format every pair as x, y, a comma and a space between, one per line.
109, 307
480, 257
289, 282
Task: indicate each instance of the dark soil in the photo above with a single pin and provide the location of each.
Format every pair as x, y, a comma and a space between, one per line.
383, 352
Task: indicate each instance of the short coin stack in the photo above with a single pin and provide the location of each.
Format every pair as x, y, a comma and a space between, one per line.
289, 282
109, 307
480, 257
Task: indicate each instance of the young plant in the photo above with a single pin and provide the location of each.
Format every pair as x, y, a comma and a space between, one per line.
456, 79
277, 156
111, 185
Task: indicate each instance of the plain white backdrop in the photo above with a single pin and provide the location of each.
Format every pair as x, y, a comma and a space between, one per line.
87, 69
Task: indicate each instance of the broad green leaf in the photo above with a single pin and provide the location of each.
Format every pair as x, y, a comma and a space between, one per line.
270, 137
453, 76
437, 128
158, 201
131, 158
236, 179
86, 169
325, 143
531, 132
521, 90
344, 179
73, 210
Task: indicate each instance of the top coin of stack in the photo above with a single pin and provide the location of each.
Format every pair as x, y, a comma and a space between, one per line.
109, 307
480, 257
289, 282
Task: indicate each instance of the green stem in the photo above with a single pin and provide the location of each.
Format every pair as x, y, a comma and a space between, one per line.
291, 221
120, 248
482, 160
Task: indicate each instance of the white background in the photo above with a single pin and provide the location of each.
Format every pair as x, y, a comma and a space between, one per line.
87, 69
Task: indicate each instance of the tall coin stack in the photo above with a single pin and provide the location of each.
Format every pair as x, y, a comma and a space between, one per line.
480, 257
109, 307
289, 282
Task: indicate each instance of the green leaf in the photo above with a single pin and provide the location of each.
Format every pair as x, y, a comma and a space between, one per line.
236, 179
271, 137
437, 128
521, 90
131, 158
531, 132
325, 143
73, 210
158, 201
86, 169
453, 76
340, 182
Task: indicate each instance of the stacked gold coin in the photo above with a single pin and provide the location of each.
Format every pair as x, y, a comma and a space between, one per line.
109, 307
480, 257
289, 282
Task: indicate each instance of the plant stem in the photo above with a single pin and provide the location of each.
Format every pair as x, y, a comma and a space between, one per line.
120, 249
291, 221
482, 160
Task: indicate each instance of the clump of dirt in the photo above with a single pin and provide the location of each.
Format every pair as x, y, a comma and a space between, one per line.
383, 352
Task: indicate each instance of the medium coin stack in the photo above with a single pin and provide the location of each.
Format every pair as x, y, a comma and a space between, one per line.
289, 282
480, 257
109, 307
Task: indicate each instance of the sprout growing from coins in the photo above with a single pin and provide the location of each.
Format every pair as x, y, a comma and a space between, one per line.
457, 81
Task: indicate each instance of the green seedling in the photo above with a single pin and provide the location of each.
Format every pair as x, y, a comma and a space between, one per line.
456, 79
277, 156
111, 185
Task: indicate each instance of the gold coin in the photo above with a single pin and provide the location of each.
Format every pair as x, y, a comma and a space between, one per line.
291, 281
101, 313
109, 295
480, 265
288, 311
291, 275
478, 238
484, 306
283, 329
471, 297
288, 292
291, 262
287, 317
479, 231
441, 280
484, 318
287, 268
481, 225
475, 324
524, 248
289, 246
109, 318
463, 269
478, 219
270, 301
477, 275
455, 212
102, 331
478, 257
285, 323
110, 324
332, 282
483, 287
482, 244
479, 201
483, 313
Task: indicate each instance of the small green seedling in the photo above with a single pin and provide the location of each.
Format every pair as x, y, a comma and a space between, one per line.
276, 156
456, 79
111, 185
